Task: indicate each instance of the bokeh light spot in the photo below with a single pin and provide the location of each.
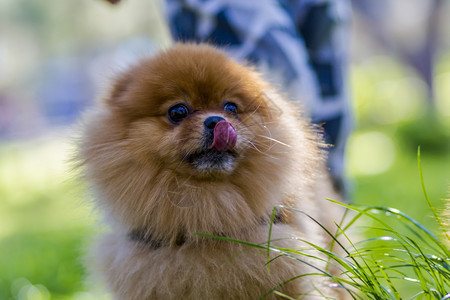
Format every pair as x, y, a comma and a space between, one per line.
370, 153
443, 94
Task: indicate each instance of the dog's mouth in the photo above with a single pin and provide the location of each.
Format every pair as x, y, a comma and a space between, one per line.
216, 154
212, 161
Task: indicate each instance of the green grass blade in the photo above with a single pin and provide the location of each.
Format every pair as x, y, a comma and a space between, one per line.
436, 216
396, 294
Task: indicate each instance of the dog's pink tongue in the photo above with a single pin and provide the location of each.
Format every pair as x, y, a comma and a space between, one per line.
225, 137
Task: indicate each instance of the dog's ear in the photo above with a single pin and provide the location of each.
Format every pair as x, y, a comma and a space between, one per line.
120, 87
125, 98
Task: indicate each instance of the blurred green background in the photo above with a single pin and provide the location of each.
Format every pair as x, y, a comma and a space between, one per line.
54, 56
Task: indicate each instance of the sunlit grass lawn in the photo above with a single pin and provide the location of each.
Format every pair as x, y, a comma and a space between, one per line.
399, 186
43, 222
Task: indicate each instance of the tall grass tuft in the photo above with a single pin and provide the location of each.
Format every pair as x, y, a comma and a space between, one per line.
398, 259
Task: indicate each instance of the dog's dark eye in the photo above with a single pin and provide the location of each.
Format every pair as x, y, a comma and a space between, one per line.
177, 113
230, 107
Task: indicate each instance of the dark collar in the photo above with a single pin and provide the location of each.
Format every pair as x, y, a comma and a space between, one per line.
144, 237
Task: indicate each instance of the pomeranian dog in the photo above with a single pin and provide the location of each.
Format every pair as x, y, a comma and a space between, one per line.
190, 144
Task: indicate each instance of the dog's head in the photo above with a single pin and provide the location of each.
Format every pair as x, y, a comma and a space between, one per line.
194, 111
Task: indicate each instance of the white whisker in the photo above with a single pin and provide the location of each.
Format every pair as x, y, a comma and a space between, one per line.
275, 140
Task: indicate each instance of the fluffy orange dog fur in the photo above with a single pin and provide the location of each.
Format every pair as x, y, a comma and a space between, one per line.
144, 172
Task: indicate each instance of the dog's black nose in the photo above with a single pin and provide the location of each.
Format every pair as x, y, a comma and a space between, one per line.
211, 122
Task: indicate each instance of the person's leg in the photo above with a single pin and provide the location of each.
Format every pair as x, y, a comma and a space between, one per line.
325, 28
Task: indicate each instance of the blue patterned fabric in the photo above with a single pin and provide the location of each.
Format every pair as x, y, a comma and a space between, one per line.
301, 45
